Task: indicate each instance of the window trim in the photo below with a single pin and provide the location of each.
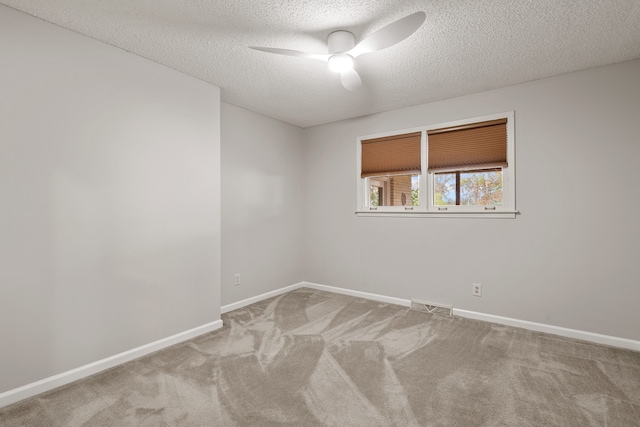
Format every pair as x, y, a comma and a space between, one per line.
427, 208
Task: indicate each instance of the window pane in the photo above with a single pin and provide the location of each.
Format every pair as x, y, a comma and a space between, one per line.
476, 188
400, 190
482, 188
444, 189
375, 195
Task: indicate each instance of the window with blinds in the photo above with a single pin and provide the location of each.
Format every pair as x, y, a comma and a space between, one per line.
393, 164
467, 163
458, 167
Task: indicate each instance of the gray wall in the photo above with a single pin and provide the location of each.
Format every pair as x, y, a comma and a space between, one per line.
262, 201
570, 259
109, 201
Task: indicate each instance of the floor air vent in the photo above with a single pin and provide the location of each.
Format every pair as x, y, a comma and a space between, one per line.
430, 307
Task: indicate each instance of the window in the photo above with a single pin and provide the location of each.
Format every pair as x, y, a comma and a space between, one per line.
463, 168
468, 188
391, 165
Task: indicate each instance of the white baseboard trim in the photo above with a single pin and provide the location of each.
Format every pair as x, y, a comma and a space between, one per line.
524, 324
245, 302
359, 294
35, 388
550, 329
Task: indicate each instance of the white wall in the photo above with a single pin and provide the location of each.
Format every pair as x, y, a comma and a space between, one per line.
570, 259
109, 201
262, 200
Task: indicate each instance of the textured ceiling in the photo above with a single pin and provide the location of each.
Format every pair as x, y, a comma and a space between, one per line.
465, 46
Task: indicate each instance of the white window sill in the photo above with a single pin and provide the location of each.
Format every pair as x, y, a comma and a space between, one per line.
440, 214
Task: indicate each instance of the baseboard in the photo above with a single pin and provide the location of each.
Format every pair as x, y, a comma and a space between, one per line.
359, 294
35, 388
550, 329
257, 298
524, 324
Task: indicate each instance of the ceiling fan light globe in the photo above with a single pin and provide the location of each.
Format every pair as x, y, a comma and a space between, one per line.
340, 62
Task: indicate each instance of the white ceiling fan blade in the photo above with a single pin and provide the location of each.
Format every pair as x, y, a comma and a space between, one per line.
390, 35
289, 52
351, 80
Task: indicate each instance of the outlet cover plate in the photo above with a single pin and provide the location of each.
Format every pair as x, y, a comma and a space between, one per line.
477, 290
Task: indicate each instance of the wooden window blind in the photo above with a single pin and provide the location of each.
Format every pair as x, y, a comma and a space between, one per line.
472, 146
391, 155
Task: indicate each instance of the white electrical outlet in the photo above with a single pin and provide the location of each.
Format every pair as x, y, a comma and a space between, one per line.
236, 279
477, 290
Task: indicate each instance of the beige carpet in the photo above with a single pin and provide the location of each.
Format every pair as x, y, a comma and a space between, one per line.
313, 358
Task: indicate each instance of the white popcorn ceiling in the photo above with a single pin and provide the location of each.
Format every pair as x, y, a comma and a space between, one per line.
464, 47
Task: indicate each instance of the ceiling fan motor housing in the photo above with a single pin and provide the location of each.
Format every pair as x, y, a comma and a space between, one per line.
340, 41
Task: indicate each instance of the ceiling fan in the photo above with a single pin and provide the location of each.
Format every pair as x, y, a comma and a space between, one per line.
342, 49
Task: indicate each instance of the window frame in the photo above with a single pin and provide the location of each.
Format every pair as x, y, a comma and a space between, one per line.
427, 208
